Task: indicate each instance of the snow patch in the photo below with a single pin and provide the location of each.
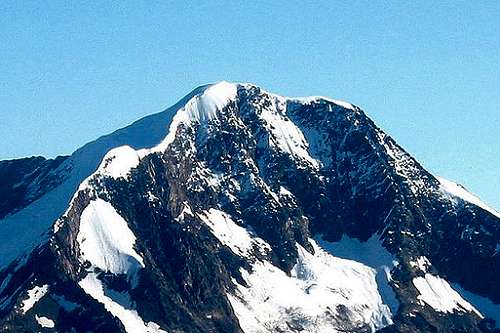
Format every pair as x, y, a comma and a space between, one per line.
323, 292
237, 238
106, 241
459, 191
437, 293
422, 263
45, 322
130, 319
286, 136
34, 295
119, 161
285, 192
372, 254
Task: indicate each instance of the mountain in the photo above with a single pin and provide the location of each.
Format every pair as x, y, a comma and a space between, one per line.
237, 210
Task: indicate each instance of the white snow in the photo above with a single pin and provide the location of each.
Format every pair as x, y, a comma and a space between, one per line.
483, 304
31, 223
200, 108
318, 284
34, 295
130, 319
217, 96
44, 321
421, 263
115, 154
371, 254
285, 192
438, 294
285, 135
119, 161
311, 99
237, 238
460, 191
106, 241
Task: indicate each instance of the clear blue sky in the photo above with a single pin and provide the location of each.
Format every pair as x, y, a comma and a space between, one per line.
427, 73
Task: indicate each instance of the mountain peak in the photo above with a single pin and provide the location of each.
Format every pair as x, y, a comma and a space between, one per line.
238, 210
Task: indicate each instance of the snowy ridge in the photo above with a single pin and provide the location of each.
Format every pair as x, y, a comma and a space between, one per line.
311, 99
460, 191
32, 223
200, 109
118, 162
272, 181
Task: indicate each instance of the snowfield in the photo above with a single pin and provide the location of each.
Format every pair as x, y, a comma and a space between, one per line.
106, 241
438, 293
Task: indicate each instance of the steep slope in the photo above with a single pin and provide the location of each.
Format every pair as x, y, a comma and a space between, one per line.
239, 210
25, 180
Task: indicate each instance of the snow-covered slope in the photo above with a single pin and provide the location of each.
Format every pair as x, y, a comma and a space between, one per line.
32, 223
458, 191
237, 210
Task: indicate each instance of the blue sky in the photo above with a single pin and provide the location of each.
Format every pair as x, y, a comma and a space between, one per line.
427, 73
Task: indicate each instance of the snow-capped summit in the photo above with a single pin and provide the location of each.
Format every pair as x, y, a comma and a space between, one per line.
238, 210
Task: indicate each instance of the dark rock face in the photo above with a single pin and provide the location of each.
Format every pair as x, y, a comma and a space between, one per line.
347, 178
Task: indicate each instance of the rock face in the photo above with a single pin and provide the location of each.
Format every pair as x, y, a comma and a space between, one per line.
238, 210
